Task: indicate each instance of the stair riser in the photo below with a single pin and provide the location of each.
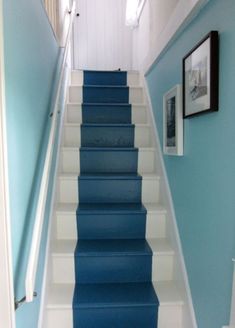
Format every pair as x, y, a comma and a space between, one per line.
72, 136
133, 96
77, 78
113, 269
137, 115
104, 95
111, 226
63, 268
97, 136
106, 114
67, 190
102, 161
70, 162
109, 190
104, 78
136, 317
168, 317
66, 227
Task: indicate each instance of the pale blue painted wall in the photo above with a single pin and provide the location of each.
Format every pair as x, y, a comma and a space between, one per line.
202, 182
31, 56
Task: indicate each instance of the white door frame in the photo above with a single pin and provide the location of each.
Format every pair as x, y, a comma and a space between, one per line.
7, 314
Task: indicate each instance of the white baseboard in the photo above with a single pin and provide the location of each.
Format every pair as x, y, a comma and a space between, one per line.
45, 275
189, 317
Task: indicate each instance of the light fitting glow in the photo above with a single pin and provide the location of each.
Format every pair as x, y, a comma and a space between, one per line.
133, 11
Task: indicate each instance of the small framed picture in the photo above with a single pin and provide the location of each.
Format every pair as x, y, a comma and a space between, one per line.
200, 77
173, 122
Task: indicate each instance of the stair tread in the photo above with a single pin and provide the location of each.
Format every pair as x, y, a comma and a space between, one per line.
106, 104
115, 295
84, 148
144, 176
119, 176
137, 125
111, 208
114, 247
102, 71
159, 246
67, 148
107, 86
103, 125
72, 207
60, 295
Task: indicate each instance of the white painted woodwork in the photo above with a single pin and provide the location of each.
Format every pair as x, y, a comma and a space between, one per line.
154, 18
161, 232
188, 315
139, 113
67, 190
63, 271
232, 313
65, 221
101, 39
72, 135
133, 78
70, 160
135, 94
7, 313
60, 314
32, 264
183, 13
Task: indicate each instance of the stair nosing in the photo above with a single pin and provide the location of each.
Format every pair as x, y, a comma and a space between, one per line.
69, 103
137, 125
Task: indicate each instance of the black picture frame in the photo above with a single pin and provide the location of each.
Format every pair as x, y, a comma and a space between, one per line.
201, 77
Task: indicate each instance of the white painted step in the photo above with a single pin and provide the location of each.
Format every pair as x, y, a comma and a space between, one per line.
63, 261
65, 217
67, 188
74, 113
136, 94
72, 135
77, 78
60, 315
70, 160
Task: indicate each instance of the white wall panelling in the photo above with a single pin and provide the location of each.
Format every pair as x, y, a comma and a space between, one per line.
101, 39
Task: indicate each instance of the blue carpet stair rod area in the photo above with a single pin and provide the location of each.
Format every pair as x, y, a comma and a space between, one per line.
113, 261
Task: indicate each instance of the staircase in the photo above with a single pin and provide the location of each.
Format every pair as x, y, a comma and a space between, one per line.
111, 263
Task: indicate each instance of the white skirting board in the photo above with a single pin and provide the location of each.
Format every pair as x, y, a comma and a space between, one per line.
189, 318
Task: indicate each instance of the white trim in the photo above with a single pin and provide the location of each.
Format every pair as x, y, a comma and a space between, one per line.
176, 150
182, 15
44, 281
232, 313
40, 211
191, 322
7, 315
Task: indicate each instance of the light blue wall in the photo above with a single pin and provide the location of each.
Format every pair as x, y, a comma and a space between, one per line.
202, 182
31, 56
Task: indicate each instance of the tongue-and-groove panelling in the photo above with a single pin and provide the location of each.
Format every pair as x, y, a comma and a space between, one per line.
103, 41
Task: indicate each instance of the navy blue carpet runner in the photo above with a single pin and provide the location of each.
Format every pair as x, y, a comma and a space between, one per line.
113, 261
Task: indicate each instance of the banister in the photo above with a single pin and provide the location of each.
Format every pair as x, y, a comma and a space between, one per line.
40, 211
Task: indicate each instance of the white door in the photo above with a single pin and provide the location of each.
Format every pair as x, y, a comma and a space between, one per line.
101, 39
7, 319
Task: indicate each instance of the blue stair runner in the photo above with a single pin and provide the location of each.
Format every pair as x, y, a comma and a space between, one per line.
113, 261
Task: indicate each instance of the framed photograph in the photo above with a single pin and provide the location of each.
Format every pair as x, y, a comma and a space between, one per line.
200, 77
173, 122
